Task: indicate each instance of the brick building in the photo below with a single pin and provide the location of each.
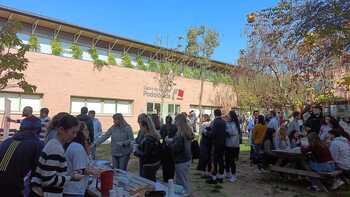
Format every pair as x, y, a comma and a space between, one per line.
66, 84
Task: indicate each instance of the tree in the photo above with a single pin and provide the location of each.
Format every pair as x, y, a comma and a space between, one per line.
12, 58
298, 44
201, 42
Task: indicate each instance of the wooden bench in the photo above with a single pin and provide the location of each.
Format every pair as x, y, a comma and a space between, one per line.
306, 173
294, 171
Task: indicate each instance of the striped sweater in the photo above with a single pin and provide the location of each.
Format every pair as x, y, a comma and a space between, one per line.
51, 172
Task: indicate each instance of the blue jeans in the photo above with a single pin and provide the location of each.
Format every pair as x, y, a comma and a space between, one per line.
73, 195
322, 167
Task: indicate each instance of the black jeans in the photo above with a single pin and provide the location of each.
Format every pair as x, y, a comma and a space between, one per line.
168, 164
230, 157
219, 160
149, 171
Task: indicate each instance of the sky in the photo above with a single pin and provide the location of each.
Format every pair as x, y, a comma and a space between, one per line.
152, 20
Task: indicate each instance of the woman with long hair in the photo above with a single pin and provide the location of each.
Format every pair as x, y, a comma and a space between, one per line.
51, 174
53, 126
122, 141
232, 145
140, 137
322, 160
77, 162
181, 148
149, 150
168, 167
205, 147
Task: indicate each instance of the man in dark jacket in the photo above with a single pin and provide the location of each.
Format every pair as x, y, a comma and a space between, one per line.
18, 156
84, 117
218, 138
315, 120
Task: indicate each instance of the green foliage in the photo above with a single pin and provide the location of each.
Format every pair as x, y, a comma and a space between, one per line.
56, 48
140, 64
175, 68
13, 63
33, 43
111, 59
94, 56
126, 60
153, 66
93, 53
76, 51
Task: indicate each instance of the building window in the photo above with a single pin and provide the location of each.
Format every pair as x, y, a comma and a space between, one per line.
167, 109
101, 106
19, 101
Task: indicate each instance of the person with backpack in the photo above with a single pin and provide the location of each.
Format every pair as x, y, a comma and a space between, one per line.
149, 150
205, 146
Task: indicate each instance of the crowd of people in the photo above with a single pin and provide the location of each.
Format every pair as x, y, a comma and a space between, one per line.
51, 157
322, 139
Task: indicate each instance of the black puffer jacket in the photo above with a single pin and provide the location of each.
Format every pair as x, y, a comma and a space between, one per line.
149, 150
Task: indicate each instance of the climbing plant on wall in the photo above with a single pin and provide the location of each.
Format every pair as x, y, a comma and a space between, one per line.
126, 60
33, 43
56, 48
76, 51
111, 58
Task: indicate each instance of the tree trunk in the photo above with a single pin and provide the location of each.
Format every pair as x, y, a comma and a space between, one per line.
201, 92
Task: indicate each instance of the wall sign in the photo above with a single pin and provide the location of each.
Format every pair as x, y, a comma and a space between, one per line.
155, 93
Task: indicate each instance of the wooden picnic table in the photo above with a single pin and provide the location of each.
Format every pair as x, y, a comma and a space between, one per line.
294, 162
135, 185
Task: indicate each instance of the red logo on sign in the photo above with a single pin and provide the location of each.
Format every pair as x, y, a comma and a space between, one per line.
180, 94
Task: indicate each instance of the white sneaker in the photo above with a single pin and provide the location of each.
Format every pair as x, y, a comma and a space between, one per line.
337, 183
233, 179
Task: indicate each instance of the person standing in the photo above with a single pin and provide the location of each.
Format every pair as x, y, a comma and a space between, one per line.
232, 145
193, 120
122, 141
252, 121
205, 147
44, 118
50, 175
30, 122
167, 131
314, 122
181, 148
83, 116
294, 125
149, 150
219, 140
140, 137
97, 131
18, 156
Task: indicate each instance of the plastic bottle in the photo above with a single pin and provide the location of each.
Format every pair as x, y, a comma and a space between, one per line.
171, 188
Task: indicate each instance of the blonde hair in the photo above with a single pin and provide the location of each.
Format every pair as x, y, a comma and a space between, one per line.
183, 128
150, 129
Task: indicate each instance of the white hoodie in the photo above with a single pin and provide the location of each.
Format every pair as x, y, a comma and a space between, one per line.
340, 151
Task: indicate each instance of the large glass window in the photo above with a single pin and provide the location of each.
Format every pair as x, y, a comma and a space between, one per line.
101, 106
19, 101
